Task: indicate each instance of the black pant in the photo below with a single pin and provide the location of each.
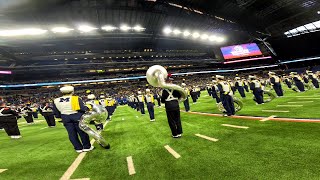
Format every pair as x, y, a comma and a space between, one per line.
186, 104
73, 132
315, 83
278, 90
141, 106
11, 127
159, 101
241, 91
150, 107
49, 118
228, 104
29, 117
215, 96
258, 94
174, 121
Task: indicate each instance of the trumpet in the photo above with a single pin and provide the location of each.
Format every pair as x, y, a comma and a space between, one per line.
94, 115
156, 76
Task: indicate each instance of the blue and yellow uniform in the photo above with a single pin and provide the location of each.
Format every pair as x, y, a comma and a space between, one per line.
226, 95
110, 103
70, 108
256, 88
149, 99
141, 102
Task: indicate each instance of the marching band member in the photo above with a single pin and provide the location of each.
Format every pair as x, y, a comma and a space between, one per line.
170, 99
186, 102
28, 116
209, 89
298, 81
47, 112
233, 88
149, 99
158, 98
245, 84
34, 109
287, 80
276, 83
256, 88
239, 85
70, 108
194, 95
226, 95
110, 107
141, 102
313, 78
8, 121
305, 78
215, 89
92, 100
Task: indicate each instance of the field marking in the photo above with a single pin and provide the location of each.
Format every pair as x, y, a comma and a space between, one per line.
3, 170
234, 126
298, 102
308, 98
207, 137
259, 118
286, 105
274, 111
268, 118
43, 128
77, 161
81, 179
172, 152
131, 169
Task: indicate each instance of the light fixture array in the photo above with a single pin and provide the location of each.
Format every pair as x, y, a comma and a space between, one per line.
196, 35
63, 30
307, 28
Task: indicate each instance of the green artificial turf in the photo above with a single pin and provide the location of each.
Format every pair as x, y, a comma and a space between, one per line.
267, 150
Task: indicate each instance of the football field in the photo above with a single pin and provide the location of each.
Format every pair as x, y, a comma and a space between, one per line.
212, 147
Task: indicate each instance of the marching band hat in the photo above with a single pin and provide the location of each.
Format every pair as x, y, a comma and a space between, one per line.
271, 73
308, 72
183, 84
237, 78
219, 77
252, 77
102, 96
67, 89
147, 90
214, 81
91, 96
293, 73
139, 92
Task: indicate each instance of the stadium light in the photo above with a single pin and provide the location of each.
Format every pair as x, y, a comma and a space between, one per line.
61, 30
195, 35
204, 37
167, 30
186, 33
109, 28
22, 32
176, 32
212, 38
138, 28
220, 39
86, 28
125, 28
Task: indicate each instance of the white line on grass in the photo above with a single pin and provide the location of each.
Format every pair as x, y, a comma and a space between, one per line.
207, 137
44, 128
81, 179
3, 170
298, 102
77, 161
275, 111
310, 98
289, 105
234, 126
131, 169
173, 152
268, 118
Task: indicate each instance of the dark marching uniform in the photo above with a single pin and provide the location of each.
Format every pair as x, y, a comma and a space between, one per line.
245, 84
8, 121
28, 117
47, 113
226, 97
141, 103
299, 83
239, 86
70, 109
170, 98
255, 86
314, 80
214, 93
186, 102
288, 82
149, 99
157, 97
276, 84
194, 95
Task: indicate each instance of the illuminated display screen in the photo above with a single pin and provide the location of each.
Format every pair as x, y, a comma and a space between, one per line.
5, 72
239, 51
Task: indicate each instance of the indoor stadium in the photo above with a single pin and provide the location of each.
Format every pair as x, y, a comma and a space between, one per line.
159, 89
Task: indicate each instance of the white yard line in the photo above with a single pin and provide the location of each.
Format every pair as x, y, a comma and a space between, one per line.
298, 102
309, 98
235, 126
286, 105
131, 169
77, 161
268, 118
3, 170
275, 111
81, 179
172, 152
207, 137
